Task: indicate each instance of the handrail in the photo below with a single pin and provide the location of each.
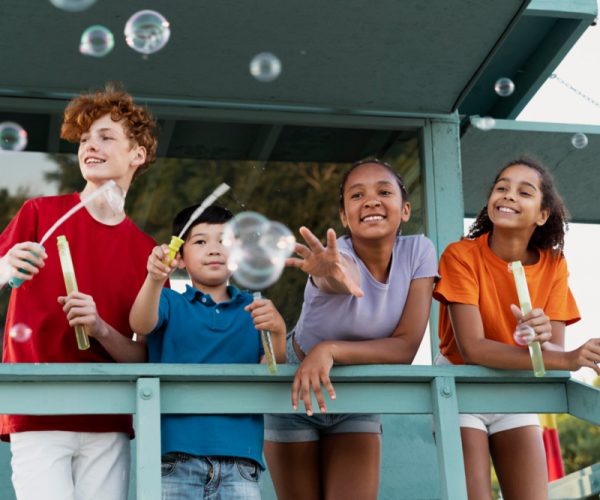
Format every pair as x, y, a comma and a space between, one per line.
149, 389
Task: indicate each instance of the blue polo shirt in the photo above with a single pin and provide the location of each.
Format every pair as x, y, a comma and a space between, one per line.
192, 328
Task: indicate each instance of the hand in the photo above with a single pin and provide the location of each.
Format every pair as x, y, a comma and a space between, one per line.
311, 374
587, 355
266, 316
537, 320
81, 310
158, 270
323, 262
27, 256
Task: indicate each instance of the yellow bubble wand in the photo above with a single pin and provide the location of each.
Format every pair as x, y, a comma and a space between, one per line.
535, 350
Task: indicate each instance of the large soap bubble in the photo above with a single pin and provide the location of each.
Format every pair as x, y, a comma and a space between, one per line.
147, 31
72, 5
579, 141
96, 41
504, 87
265, 67
13, 137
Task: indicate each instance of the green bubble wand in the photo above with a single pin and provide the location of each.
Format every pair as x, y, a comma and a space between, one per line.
535, 350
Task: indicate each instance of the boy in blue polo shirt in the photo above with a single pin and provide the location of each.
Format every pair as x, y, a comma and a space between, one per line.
216, 456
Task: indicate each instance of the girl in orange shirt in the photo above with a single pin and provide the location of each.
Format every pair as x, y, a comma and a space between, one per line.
525, 220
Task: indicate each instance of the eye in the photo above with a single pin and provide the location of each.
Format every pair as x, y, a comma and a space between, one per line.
526, 193
385, 192
355, 196
501, 188
107, 138
200, 242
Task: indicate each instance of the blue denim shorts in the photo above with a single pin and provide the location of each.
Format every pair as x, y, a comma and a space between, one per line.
186, 477
297, 427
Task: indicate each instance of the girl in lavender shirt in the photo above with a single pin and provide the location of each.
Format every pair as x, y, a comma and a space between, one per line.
367, 300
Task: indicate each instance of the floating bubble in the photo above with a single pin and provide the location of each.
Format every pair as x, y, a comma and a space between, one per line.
72, 5
96, 41
484, 123
579, 140
13, 137
147, 31
504, 87
523, 334
115, 197
20, 332
278, 238
265, 67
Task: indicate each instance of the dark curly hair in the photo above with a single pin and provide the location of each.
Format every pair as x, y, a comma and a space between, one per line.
550, 236
138, 123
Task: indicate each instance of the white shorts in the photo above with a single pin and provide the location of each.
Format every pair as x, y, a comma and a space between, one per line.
491, 423
62, 465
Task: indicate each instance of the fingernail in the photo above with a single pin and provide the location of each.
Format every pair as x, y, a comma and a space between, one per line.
309, 413
333, 397
294, 407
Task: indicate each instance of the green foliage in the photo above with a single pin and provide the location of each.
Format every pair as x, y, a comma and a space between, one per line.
579, 441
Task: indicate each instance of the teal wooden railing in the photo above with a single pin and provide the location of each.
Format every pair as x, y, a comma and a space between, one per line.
148, 390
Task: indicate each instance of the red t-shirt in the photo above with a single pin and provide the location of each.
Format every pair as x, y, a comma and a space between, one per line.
110, 265
472, 274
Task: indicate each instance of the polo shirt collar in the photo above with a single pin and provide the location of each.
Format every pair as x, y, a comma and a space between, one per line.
192, 294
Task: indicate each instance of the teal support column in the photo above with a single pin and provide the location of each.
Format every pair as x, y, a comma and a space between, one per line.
444, 205
453, 485
148, 439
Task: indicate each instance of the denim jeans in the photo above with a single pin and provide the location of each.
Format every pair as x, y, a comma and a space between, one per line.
185, 477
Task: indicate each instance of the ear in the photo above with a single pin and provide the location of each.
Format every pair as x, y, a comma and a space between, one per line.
543, 217
343, 218
180, 263
406, 211
139, 156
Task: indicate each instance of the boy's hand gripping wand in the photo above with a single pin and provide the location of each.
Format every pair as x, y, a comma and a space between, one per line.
535, 350
265, 337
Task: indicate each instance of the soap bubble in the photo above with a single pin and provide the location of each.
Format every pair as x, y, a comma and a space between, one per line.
258, 249
504, 87
265, 67
523, 334
484, 123
72, 5
13, 137
579, 140
115, 197
20, 332
96, 41
147, 31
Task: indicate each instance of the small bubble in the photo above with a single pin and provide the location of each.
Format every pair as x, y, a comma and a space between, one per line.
72, 5
483, 122
147, 31
265, 67
579, 140
13, 137
96, 41
504, 87
20, 332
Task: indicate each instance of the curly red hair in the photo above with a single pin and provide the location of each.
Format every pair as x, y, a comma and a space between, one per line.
138, 123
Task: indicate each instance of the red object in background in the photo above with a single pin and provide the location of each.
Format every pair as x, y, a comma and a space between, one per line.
556, 469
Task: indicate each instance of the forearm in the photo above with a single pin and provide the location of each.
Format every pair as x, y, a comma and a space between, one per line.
390, 350
121, 348
278, 341
144, 312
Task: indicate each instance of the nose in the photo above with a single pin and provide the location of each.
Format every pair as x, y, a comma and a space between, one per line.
373, 202
215, 251
509, 195
90, 145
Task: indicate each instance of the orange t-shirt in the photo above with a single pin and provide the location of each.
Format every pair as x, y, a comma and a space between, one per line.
472, 274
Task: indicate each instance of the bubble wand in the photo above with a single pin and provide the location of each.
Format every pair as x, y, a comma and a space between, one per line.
265, 338
535, 350
16, 282
177, 241
66, 263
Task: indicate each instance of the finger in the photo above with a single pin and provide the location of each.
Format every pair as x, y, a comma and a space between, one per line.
302, 250
316, 386
331, 240
355, 290
294, 262
305, 395
326, 381
311, 240
542, 337
295, 391
516, 312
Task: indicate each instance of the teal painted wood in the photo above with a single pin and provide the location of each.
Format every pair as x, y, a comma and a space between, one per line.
586, 9
444, 209
584, 401
580, 484
148, 439
447, 436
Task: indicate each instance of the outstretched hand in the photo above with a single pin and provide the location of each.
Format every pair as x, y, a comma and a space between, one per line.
325, 262
311, 374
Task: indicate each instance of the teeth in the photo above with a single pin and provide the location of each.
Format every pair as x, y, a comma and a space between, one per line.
507, 210
371, 218
93, 160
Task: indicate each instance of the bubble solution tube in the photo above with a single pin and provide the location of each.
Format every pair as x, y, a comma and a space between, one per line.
535, 350
177, 241
66, 263
16, 282
265, 337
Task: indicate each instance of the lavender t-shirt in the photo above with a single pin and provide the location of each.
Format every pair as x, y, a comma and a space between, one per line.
327, 316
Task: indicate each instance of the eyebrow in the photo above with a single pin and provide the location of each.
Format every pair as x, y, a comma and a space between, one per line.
379, 183
506, 179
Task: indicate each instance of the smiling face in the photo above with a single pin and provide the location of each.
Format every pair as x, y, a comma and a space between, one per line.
205, 257
516, 199
373, 204
105, 152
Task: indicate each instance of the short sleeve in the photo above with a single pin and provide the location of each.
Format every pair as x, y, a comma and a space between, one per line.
561, 304
458, 280
22, 227
426, 261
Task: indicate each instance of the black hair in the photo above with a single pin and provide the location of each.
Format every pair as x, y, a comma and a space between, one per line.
213, 214
550, 236
381, 163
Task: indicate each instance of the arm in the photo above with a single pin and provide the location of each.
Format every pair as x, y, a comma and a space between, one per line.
476, 349
144, 312
267, 317
331, 271
27, 256
400, 347
81, 310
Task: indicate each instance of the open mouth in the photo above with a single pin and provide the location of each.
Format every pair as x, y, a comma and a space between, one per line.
507, 210
372, 218
93, 161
